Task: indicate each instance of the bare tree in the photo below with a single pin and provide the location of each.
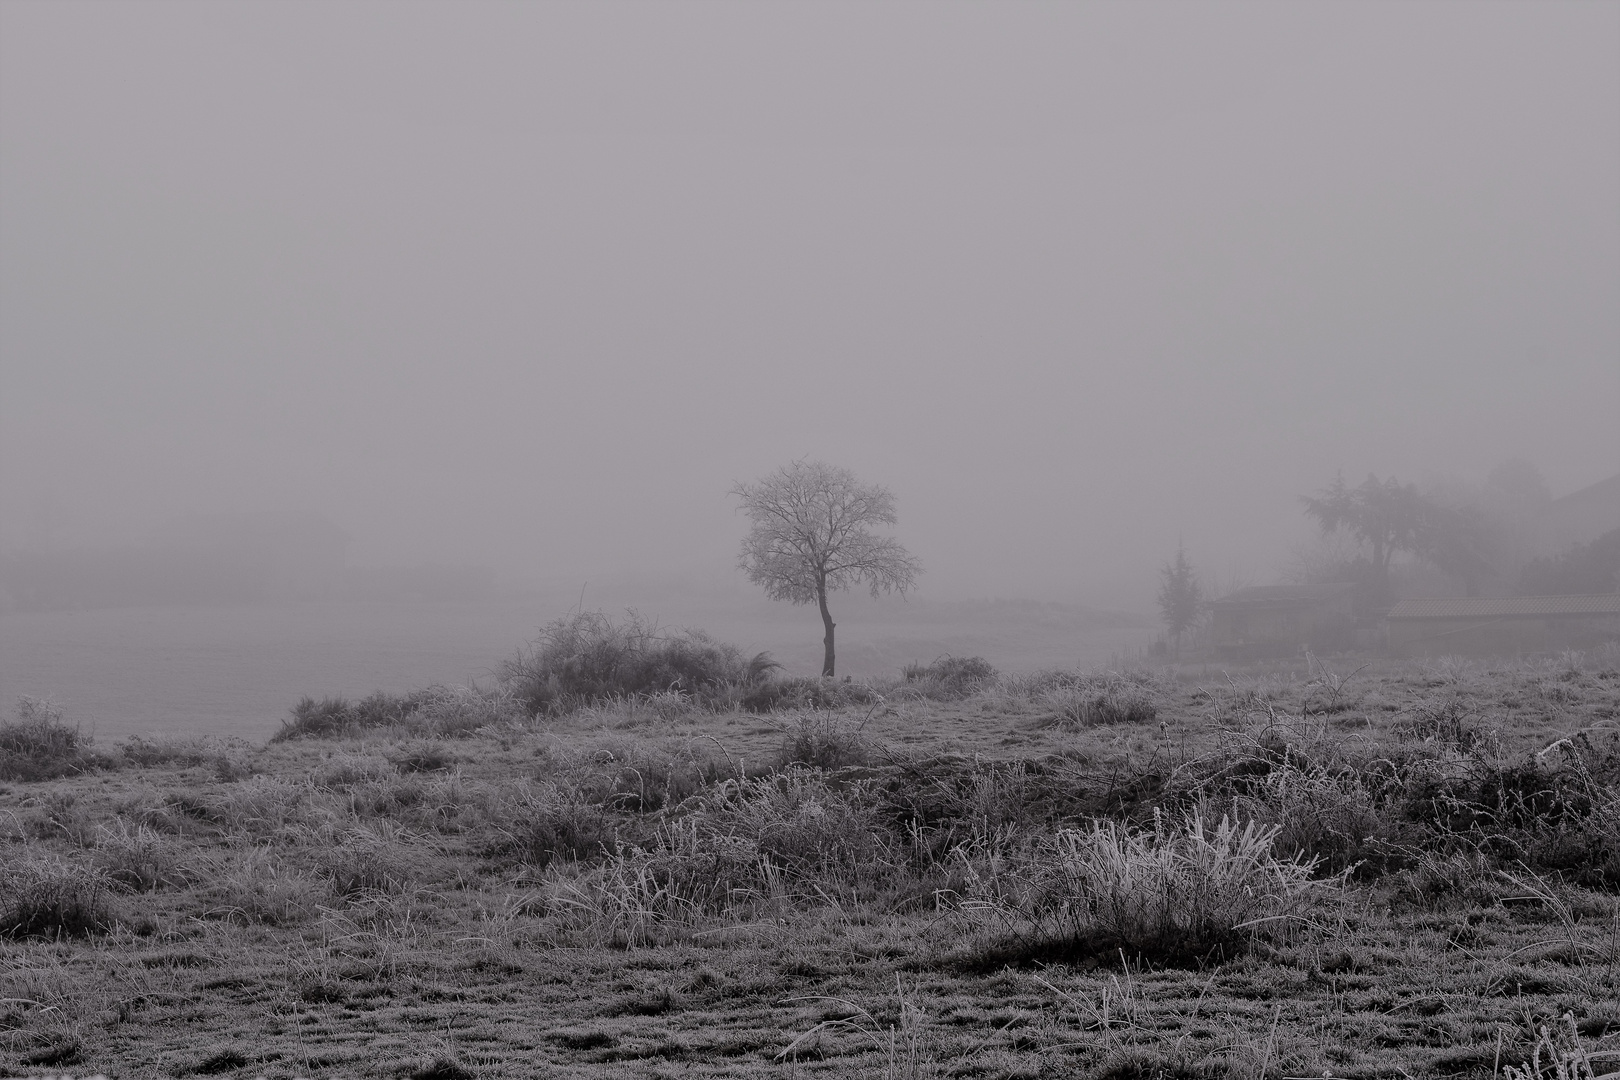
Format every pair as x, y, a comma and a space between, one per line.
811, 535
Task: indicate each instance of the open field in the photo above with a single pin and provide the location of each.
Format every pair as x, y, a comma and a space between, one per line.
1012, 876
232, 670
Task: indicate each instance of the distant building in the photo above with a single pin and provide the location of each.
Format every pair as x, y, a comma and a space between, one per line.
1278, 620
1501, 625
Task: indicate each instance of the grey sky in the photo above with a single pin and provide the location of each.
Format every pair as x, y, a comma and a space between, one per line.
534, 284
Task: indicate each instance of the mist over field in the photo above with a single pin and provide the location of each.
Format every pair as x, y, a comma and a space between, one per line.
531, 286
377, 302
716, 538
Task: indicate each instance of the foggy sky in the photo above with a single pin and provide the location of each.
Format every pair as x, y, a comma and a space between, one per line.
533, 285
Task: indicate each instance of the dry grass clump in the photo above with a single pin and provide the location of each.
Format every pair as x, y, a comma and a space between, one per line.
771, 842
140, 859
231, 759
1181, 892
948, 678
374, 860
1073, 702
39, 745
801, 693
258, 805
825, 741
1559, 1053
548, 821
45, 896
421, 756
1444, 787
434, 712
342, 771
257, 886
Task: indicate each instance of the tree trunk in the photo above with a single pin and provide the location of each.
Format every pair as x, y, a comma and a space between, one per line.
826, 621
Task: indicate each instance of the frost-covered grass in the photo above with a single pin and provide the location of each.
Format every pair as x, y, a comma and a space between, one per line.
1244, 875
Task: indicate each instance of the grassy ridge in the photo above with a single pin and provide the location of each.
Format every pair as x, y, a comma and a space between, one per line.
949, 873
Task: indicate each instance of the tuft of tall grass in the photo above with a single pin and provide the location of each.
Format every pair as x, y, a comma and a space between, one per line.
547, 822
257, 887
140, 859
804, 693
949, 677
804, 827
1558, 1054
364, 861
1183, 891
44, 896
1096, 703
825, 741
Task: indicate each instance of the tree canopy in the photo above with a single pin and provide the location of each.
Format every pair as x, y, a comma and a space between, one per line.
811, 535
1393, 517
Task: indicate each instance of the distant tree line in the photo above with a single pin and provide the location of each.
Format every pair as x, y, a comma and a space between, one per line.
1581, 570
1489, 540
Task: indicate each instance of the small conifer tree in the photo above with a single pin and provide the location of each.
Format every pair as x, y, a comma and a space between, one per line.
1181, 597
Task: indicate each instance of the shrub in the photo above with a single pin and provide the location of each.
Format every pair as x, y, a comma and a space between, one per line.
550, 822
328, 718
229, 757
949, 677
139, 859
46, 897
435, 712
259, 889
38, 745
1343, 819
588, 658
824, 741
421, 756
366, 862
801, 692
1178, 893
798, 823
1093, 703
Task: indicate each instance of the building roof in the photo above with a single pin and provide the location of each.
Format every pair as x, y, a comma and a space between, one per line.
1285, 595
1504, 607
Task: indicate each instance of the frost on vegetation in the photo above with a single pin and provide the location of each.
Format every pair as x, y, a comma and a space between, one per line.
1085, 701
140, 859
40, 745
1558, 1054
774, 840
589, 659
1182, 891
948, 678
229, 758
437, 711
825, 741
46, 896
260, 888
